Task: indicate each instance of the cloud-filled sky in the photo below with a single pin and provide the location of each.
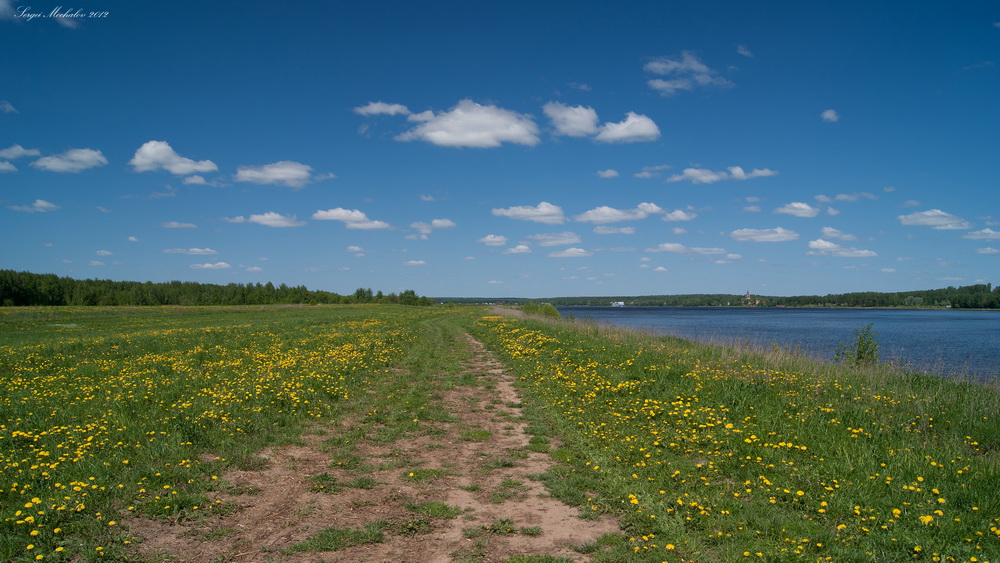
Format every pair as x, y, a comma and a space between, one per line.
516, 148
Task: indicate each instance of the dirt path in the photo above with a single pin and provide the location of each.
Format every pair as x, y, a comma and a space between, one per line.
462, 488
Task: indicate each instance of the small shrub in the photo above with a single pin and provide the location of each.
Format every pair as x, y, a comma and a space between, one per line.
863, 351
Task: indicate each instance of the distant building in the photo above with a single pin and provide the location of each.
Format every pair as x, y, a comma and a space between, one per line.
617, 303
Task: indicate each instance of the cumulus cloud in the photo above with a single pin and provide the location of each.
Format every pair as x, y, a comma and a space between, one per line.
798, 209
651, 171
352, 218
830, 116
684, 73
820, 247
17, 151
606, 230
424, 229
382, 108
677, 248
207, 266
154, 155
493, 240
544, 212
191, 251
286, 172
469, 124
414, 263
73, 160
269, 219
634, 129
556, 239
679, 215
38, 206
605, 214
776, 234
846, 197
572, 121
743, 50
178, 225
705, 176
935, 219
609, 173
985, 234
519, 249
570, 253
831, 233
7, 167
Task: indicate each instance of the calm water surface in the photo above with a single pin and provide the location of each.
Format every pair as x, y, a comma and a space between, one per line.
935, 341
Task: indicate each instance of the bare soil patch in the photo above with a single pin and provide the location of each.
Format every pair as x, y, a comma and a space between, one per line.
460, 487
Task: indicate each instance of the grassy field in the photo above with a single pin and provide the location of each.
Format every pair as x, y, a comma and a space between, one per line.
705, 453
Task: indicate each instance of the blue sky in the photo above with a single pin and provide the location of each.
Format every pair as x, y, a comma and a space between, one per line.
504, 148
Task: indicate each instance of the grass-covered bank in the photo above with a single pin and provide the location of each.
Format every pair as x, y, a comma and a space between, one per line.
712, 454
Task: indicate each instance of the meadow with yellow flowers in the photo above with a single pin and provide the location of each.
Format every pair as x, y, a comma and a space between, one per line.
704, 453
715, 454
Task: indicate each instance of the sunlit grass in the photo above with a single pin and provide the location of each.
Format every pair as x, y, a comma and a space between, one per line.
720, 454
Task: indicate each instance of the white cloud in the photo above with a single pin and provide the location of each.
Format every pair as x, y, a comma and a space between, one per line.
556, 239
103, 253
254, 269
830, 116
519, 249
6, 106
609, 173
677, 248
178, 225
936, 219
846, 197
820, 247
382, 108
987, 250
570, 253
289, 173
742, 49
133, 239
269, 219
606, 230
679, 215
17, 151
191, 251
96, 263
651, 171
154, 155
572, 121
493, 240
705, 176
544, 212
635, 128
830, 232
207, 266
985, 234
73, 160
684, 73
605, 214
469, 124
38, 206
414, 263
798, 209
352, 218
776, 234
7, 167
660, 269
425, 229
752, 209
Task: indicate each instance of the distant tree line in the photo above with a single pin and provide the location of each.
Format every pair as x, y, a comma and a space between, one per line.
24, 288
979, 296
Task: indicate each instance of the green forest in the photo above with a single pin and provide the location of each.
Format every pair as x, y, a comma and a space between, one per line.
979, 296
24, 288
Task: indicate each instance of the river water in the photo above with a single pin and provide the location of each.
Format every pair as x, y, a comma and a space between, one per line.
943, 342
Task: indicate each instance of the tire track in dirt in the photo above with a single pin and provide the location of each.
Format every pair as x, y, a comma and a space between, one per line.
472, 456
